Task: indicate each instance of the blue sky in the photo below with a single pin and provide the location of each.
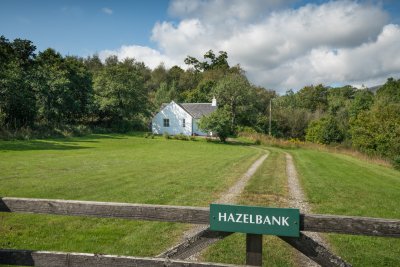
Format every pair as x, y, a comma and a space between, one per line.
81, 27
282, 44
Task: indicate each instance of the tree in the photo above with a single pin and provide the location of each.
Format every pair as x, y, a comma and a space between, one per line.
80, 92
212, 61
93, 63
217, 122
389, 92
157, 76
174, 75
313, 98
324, 131
377, 131
376, 128
119, 91
202, 93
363, 100
257, 115
339, 104
17, 98
165, 94
52, 86
233, 93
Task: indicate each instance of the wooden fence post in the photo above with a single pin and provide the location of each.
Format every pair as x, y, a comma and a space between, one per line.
254, 249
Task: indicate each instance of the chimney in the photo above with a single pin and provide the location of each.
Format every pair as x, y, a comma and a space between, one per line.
214, 102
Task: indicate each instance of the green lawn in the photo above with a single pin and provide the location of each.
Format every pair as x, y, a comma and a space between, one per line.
130, 168
268, 187
343, 185
119, 168
334, 184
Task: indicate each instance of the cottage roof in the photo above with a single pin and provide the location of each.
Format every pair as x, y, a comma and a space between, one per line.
198, 110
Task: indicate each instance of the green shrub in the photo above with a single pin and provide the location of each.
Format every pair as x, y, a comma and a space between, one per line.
257, 142
192, 138
181, 136
324, 131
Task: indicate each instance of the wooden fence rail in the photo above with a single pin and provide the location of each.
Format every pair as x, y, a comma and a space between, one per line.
194, 215
63, 259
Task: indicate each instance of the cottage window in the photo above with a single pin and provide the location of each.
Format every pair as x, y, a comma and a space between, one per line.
166, 122
183, 123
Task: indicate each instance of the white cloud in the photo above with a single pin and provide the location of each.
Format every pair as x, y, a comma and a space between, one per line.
345, 42
151, 57
222, 10
107, 10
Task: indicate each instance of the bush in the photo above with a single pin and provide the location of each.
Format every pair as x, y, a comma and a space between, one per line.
181, 136
324, 131
257, 142
192, 138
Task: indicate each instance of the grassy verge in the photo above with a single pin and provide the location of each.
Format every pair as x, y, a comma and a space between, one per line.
120, 168
268, 187
343, 185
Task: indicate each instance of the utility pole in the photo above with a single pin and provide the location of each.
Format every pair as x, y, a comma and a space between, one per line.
270, 114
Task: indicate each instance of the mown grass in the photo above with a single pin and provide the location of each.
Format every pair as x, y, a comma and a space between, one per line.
119, 168
343, 185
268, 187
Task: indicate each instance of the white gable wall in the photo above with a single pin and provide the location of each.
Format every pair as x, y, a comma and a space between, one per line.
175, 114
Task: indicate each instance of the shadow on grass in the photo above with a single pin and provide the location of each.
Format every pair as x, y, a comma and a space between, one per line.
60, 143
230, 142
36, 145
92, 138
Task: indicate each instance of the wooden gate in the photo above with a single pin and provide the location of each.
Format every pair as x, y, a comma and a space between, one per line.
180, 214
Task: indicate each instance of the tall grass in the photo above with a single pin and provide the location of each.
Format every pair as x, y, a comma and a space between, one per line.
345, 149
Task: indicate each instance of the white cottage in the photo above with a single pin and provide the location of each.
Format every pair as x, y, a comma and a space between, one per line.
176, 118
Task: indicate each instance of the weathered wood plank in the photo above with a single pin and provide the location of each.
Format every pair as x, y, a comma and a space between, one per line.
194, 215
315, 251
107, 210
350, 225
254, 249
194, 244
62, 259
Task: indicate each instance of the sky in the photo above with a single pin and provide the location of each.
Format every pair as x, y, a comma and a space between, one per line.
281, 44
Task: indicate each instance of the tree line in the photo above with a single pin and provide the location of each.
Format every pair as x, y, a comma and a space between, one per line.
46, 91
358, 118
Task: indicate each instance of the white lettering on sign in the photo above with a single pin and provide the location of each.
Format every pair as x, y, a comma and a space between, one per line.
249, 219
258, 219
239, 217
277, 220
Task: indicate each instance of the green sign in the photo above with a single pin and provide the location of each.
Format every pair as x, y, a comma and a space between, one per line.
255, 220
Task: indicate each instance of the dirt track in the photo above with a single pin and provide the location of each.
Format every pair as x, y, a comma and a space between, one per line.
298, 200
228, 197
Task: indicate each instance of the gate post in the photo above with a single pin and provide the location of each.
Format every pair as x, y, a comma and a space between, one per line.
254, 249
